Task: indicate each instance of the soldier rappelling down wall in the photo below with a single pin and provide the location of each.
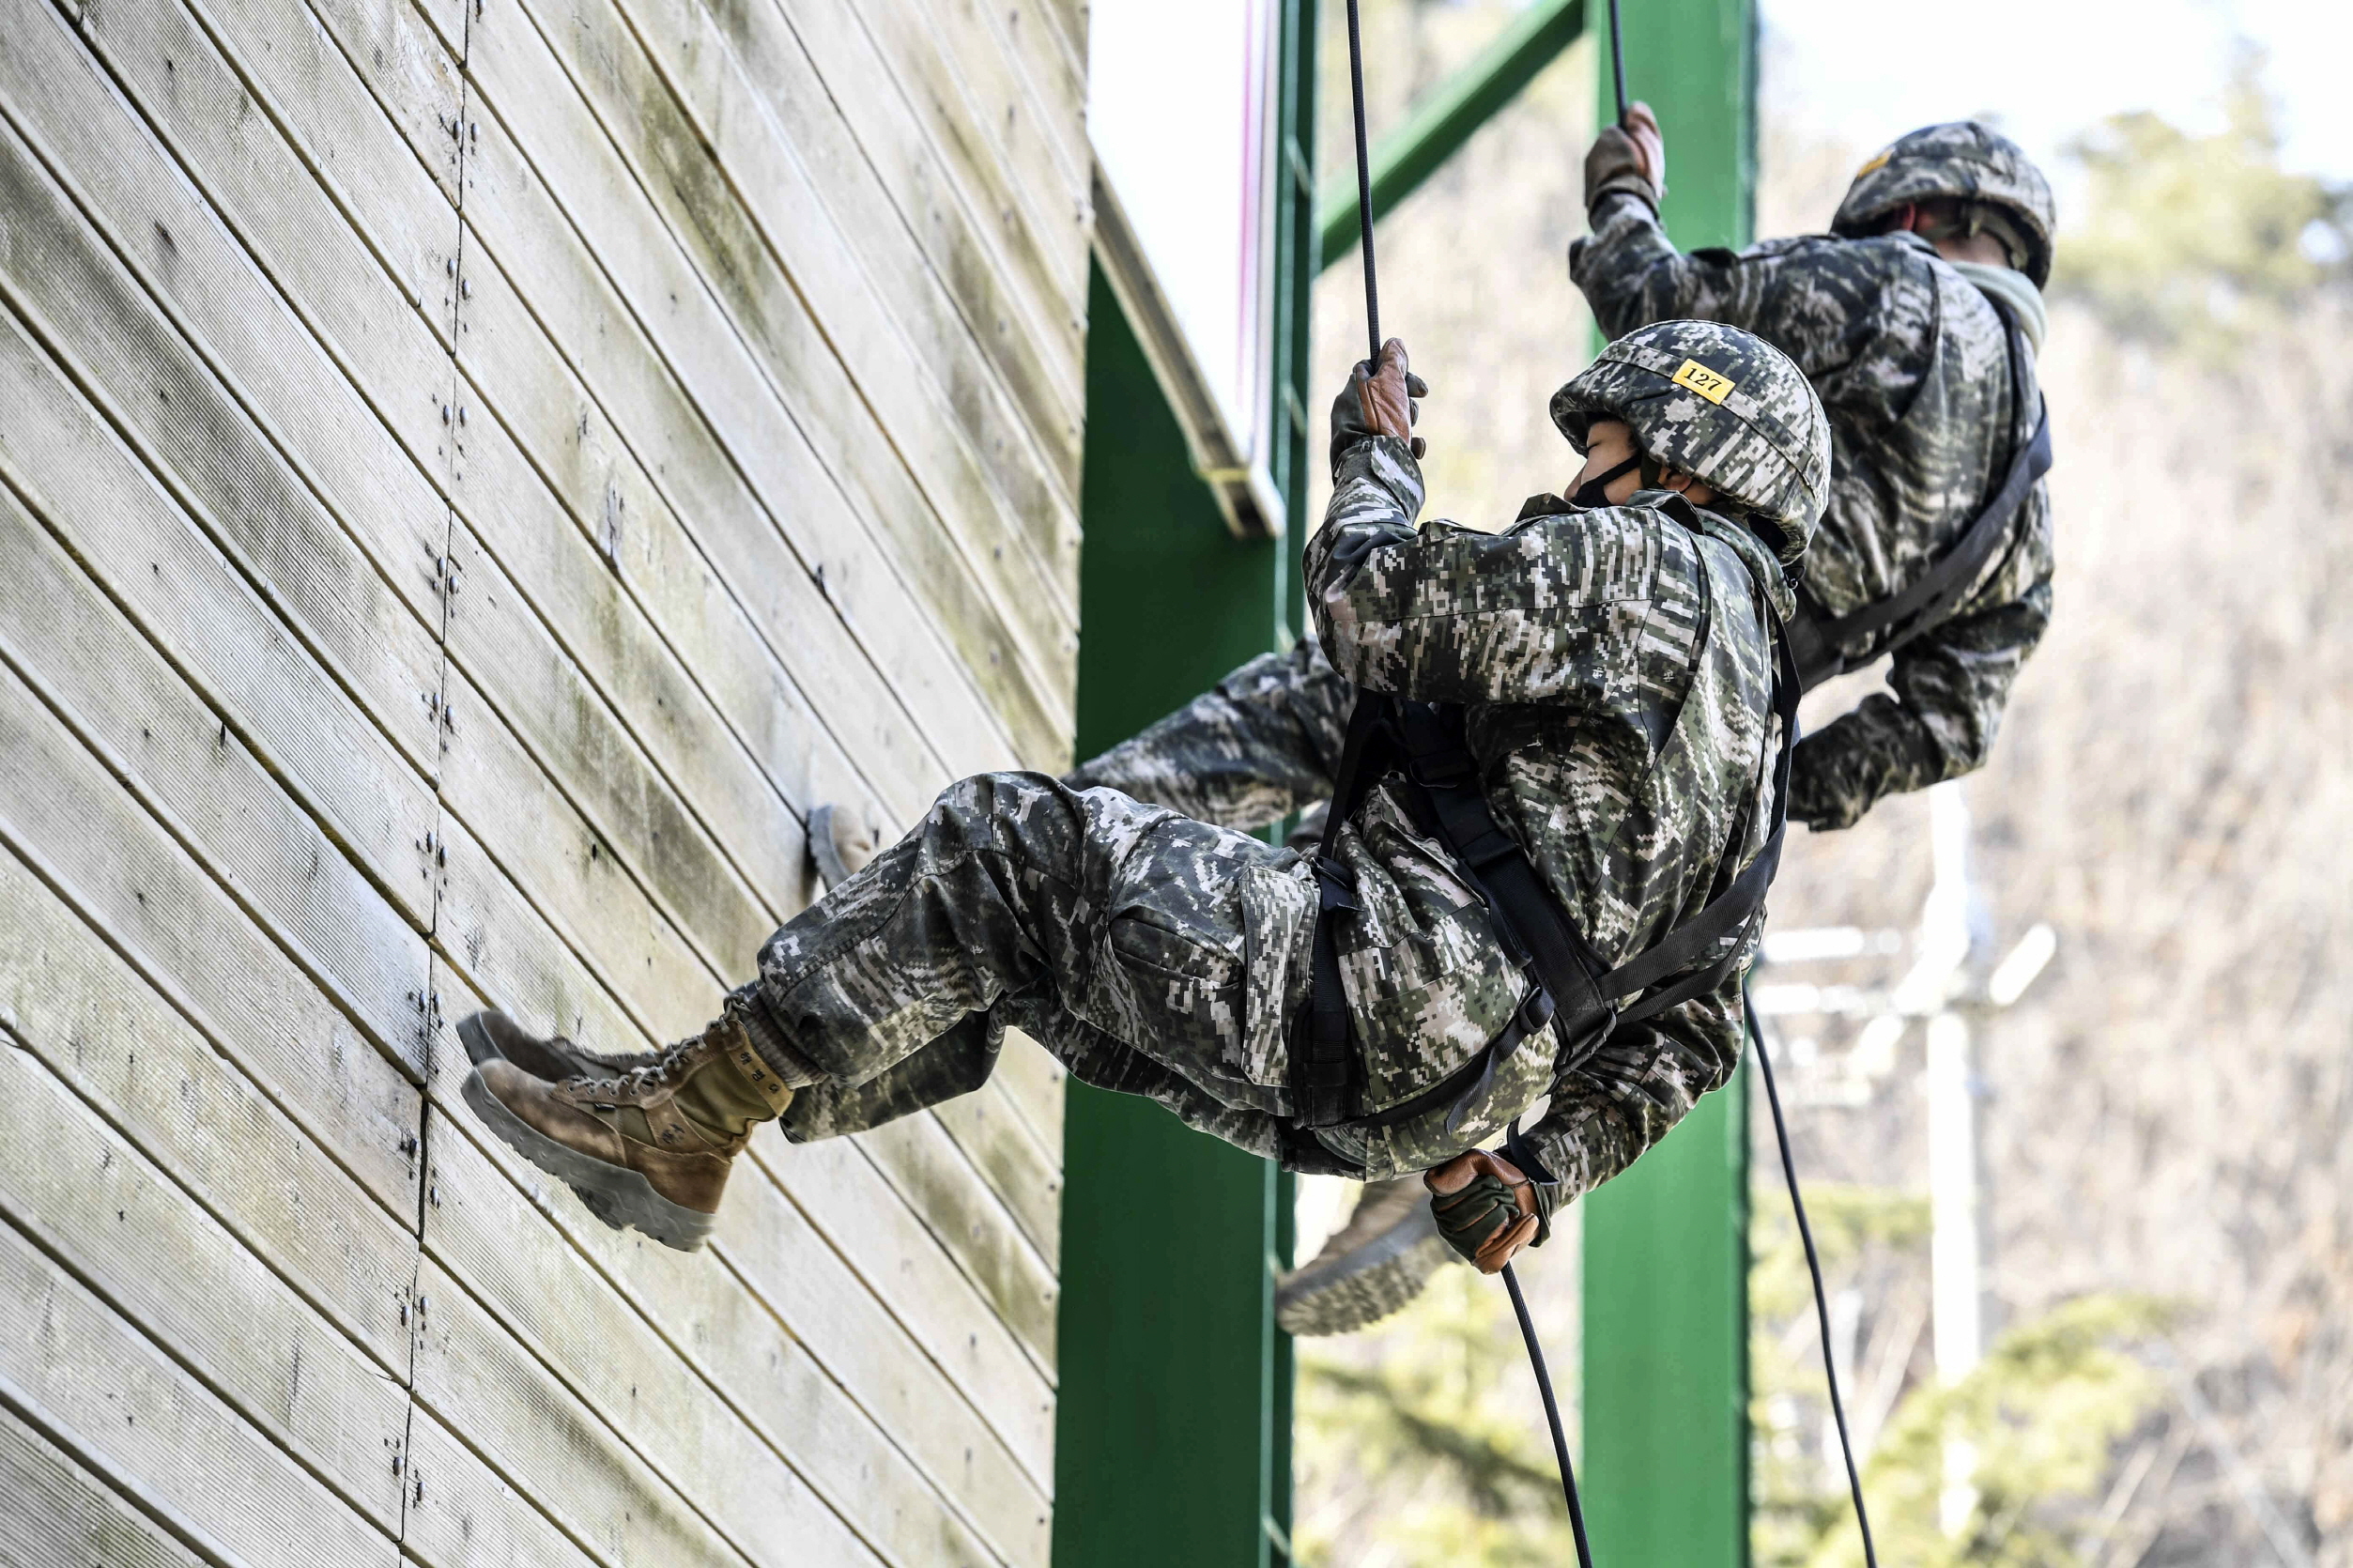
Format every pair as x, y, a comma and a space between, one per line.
1917, 321
1597, 685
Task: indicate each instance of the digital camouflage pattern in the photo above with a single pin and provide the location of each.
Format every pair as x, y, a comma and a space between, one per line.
1961, 160
1573, 637
1618, 672
1911, 362
1720, 404
1259, 745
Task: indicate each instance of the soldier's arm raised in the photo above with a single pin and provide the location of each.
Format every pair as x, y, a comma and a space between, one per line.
1551, 611
1261, 743
1948, 687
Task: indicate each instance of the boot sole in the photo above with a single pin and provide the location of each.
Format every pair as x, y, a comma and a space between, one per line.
1366, 1283
616, 1195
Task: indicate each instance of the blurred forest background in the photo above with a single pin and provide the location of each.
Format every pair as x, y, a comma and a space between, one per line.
2164, 1115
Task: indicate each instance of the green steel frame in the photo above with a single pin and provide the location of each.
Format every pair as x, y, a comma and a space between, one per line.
1173, 1432
1665, 1376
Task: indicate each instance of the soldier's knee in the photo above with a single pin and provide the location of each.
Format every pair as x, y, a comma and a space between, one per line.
989, 810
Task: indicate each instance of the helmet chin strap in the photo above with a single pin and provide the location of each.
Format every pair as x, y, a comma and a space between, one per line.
1595, 491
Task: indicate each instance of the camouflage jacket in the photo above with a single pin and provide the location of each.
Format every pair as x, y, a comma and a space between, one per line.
1912, 366
1619, 743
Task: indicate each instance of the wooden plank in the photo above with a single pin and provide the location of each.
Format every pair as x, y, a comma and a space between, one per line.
298, 81
220, 624
880, 1236
219, 632
715, 474
754, 226
313, 234
990, 1129
293, 68
507, 951
1055, 76
200, 444
1035, 1083
772, 1249
755, 92
130, 708
566, 867
1068, 20
839, 594
285, 383
90, 1383
540, 576
1006, 289
399, 60
512, 69
975, 1229
75, 1004
920, 144
541, 1438
777, 661
131, 1235
463, 1515
88, 841
60, 1515
502, 657
965, 88
734, 1341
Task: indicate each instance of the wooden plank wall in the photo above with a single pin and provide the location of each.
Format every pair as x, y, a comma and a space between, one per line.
473, 474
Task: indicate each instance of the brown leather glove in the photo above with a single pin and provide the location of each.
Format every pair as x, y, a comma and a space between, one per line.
1380, 401
1633, 161
1486, 1210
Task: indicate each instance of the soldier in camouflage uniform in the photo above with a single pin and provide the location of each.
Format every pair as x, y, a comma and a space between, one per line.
1615, 657
1898, 318
1896, 321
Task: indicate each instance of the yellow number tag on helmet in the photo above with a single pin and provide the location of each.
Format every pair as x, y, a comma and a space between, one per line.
1709, 384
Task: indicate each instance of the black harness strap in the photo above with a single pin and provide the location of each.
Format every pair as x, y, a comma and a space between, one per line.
1571, 990
1817, 638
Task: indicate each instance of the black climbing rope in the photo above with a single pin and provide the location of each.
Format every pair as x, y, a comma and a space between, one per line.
1813, 1266
1552, 1418
1618, 63
1365, 190
1373, 333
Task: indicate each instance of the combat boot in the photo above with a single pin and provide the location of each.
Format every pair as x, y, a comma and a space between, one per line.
1375, 1265
649, 1148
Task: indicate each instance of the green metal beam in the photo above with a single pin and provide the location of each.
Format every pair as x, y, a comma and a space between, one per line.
1448, 118
1665, 1417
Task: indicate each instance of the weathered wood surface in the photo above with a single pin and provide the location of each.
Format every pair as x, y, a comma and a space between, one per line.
475, 475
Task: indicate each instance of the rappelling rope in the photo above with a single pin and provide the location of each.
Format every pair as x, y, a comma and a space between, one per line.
1813, 1267
1364, 192
1552, 1417
1618, 63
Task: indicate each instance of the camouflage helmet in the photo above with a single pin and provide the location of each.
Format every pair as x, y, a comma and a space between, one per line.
1962, 161
1722, 405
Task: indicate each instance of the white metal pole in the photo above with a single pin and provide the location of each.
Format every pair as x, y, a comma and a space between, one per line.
1956, 1270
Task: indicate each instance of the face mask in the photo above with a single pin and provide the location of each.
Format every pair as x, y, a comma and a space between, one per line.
1592, 492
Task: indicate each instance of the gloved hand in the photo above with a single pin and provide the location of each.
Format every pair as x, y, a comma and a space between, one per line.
1831, 784
1380, 401
1633, 160
1488, 1209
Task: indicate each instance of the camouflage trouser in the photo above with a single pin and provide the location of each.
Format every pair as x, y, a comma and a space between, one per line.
1152, 954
